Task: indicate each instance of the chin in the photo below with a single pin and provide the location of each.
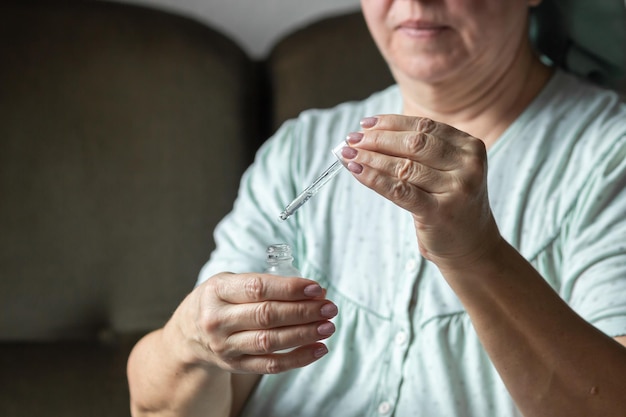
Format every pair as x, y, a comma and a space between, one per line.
419, 72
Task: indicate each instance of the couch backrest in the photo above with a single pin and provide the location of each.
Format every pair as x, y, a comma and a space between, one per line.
121, 146
323, 64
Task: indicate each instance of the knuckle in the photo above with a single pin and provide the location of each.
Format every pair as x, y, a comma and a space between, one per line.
215, 345
215, 288
263, 341
219, 348
263, 315
254, 289
474, 163
399, 191
207, 319
476, 147
272, 366
425, 125
211, 287
208, 322
415, 143
406, 170
303, 310
476, 166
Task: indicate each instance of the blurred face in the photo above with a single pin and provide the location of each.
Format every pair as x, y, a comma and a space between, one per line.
433, 40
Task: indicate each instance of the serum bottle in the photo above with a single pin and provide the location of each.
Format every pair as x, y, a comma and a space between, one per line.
280, 261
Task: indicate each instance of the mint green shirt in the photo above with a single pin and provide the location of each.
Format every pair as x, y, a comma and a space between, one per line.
404, 345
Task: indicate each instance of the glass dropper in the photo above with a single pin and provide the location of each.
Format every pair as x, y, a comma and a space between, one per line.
312, 189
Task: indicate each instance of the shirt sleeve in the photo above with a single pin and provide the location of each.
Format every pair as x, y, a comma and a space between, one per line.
594, 245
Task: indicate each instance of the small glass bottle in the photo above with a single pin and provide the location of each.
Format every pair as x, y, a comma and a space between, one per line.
280, 261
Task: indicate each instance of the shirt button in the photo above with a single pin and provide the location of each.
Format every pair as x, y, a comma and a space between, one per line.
401, 338
384, 408
411, 266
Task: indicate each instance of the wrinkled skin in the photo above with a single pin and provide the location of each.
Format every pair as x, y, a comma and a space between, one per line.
434, 171
238, 321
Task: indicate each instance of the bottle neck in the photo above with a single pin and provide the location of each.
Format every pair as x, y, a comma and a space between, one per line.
280, 261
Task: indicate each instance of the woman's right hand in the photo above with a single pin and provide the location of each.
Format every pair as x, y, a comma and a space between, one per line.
237, 322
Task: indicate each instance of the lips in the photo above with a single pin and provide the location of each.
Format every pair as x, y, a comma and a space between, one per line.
421, 27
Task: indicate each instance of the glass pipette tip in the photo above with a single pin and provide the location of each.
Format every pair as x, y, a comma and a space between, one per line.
311, 190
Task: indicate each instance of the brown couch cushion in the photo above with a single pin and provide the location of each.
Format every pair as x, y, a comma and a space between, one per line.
64, 379
323, 64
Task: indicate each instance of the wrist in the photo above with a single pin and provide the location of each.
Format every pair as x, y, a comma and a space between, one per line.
481, 276
487, 249
182, 339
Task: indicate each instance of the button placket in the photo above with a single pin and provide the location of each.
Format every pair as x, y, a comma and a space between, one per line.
401, 327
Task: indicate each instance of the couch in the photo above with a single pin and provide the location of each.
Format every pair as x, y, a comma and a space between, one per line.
123, 134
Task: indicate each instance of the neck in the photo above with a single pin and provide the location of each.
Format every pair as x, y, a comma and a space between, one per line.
482, 103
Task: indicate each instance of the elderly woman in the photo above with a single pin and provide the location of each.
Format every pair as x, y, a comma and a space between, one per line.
455, 290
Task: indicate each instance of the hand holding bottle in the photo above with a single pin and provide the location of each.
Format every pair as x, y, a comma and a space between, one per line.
237, 321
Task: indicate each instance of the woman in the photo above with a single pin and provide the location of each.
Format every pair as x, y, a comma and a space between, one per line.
463, 291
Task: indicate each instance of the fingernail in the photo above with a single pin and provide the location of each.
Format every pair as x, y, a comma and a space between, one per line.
313, 290
354, 167
348, 152
326, 329
320, 351
329, 310
368, 122
354, 137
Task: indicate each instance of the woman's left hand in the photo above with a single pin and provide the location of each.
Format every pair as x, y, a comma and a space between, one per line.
437, 173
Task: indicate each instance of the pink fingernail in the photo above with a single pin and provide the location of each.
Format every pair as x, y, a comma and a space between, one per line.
369, 122
326, 329
313, 290
354, 167
320, 351
329, 310
354, 137
348, 152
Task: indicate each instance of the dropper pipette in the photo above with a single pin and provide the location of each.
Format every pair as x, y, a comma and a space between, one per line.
311, 190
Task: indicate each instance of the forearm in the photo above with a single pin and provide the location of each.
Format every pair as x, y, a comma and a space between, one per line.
163, 383
552, 361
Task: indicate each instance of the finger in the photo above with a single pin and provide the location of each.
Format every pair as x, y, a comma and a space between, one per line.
400, 123
272, 314
426, 148
435, 144
261, 342
392, 172
406, 195
251, 288
278, 362
416, 146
